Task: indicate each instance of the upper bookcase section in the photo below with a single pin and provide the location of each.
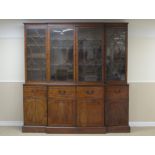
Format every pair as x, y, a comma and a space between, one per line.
81, 53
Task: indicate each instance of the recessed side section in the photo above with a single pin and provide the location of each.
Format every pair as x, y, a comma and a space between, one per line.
35, 52
35, 105
116, 105
116, 53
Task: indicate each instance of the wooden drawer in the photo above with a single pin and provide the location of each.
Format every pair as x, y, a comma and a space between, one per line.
87, 92
117, 93
61, 92
40, 91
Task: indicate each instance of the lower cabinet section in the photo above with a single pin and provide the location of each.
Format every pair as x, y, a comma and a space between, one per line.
61, 112
90, 113
75, 109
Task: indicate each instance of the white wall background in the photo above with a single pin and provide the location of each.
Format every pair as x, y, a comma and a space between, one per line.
141, 51
11, 51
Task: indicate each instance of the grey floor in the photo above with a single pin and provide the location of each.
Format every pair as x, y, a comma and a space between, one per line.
135, 131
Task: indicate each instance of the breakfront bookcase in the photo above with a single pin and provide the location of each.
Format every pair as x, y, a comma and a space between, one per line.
76, 78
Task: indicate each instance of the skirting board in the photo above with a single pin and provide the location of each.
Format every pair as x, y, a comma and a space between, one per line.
132, 124
142, 124
11, 123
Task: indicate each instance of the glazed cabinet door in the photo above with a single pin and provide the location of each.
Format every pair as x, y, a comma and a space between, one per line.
35, 105
90, 57
61, 52
60, 112
35, 45
116, 53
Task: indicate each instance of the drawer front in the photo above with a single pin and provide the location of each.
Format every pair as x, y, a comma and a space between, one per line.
61, 92
117, 93
87, 92
40, 91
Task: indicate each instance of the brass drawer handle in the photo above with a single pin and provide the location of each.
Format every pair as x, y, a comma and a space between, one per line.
62, 92
90, 92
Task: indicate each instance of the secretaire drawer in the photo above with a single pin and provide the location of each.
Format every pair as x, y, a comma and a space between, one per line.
115, 93
40, 91
95, 92
57, 92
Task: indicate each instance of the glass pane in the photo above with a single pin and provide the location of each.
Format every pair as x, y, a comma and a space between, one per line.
115, 53
36, 55
62, 54
90, 54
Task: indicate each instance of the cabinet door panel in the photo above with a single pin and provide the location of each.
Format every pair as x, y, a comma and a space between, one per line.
90, 112
61, 112
116, 105
35, 111
117, 113
90, 56
62, 49
29, 111
90, 92
41, 111
116, 57
36, 52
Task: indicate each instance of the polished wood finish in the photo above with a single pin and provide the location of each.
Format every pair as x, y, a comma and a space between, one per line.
117, 93
116, 104
61, 106
90, 106
40, 129
75, 106
61, 92
35, 105
90, 112
82, 130
89, 92
29, 107
118, 129
35, 91
61, 112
